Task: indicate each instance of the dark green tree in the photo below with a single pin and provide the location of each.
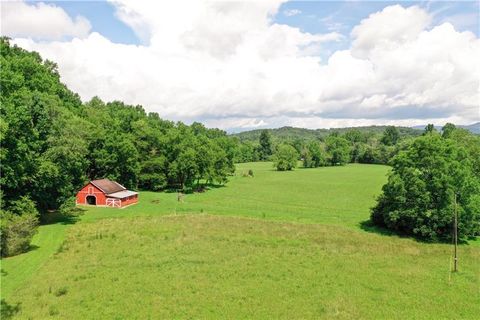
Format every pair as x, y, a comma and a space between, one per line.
338, 150
152, 174
313, 156
390, 136
429, 129
18, 226
448, 129
418, 198
265, 148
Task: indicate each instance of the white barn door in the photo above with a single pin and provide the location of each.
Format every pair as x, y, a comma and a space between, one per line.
114, 203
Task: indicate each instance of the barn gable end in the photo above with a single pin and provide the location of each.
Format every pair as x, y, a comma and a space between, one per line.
91, 190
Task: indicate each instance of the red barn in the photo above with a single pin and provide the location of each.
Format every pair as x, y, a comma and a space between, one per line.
107, 193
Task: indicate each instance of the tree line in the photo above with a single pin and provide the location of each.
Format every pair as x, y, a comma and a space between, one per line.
336, 148
52, 144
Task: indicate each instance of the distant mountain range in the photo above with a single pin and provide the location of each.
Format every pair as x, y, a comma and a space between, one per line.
474, 128
292, 133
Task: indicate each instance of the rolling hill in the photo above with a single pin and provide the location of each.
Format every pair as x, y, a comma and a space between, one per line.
292, 133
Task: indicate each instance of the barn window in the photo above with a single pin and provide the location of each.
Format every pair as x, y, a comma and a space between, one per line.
90, 190
91, 200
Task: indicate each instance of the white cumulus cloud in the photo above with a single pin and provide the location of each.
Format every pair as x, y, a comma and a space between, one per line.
229, 65
40, 21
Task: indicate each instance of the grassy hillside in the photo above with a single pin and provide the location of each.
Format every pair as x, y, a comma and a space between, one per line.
239, 251
291, 133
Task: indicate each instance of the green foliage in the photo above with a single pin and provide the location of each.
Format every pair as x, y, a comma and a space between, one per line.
418, 198
338, 150
373, 144
286, 158
313, 156
246, 152
448, 130
68, 208
429, 129
265, 149
289, 134
152, 174
390, 136
471, 143
18, 225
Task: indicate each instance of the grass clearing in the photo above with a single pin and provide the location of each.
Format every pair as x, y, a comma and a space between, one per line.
166, 259
204, 266
330, 195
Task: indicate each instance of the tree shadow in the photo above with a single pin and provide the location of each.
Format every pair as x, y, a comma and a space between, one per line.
369, 226
55, 217
215, 186
196, 189
32, 247
8, 311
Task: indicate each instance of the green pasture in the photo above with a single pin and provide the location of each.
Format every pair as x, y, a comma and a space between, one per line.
278, 245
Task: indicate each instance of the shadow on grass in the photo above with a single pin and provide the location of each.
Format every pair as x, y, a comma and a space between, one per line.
196, 189
55, 217
7, 310
33, 247
369, 226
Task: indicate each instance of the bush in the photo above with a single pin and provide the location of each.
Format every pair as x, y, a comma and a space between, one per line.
18, 225
68, 208
286, 158
418, 198
61, 291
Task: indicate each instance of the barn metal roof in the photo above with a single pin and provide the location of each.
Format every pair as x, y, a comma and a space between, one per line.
108, 186
122, 194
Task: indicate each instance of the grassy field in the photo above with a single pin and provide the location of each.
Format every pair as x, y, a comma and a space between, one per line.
279, 245
332, 195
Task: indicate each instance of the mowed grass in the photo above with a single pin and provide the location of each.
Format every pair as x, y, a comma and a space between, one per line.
15, 270
331, 195
206, 266
298, 252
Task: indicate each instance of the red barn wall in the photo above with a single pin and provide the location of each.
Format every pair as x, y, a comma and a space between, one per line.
91, 190
129, 200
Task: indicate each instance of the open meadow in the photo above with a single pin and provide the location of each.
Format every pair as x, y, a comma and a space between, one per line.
278, 245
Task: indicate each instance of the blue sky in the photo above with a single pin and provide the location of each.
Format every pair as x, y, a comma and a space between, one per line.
101, 15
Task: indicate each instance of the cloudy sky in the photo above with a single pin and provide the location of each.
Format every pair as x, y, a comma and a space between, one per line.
255, 64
